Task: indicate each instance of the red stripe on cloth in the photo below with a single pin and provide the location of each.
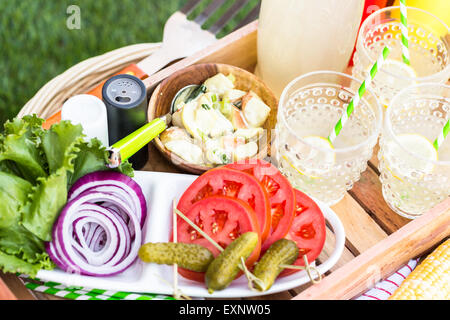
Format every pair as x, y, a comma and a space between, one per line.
390, 281
401, 275
409, 267
372, 297
381, 289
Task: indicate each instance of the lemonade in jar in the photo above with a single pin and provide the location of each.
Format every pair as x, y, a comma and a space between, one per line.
299, 36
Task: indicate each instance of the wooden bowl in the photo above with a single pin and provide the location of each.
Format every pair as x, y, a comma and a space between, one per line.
163, 95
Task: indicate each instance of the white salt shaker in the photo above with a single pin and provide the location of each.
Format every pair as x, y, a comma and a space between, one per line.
90, 112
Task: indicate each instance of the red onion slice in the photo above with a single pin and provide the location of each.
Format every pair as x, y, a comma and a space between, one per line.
114, 248
98, 233
127, 187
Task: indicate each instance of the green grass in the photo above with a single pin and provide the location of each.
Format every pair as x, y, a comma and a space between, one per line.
36, 45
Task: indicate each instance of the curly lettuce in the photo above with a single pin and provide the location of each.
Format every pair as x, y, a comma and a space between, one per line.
47, 199
20, 250
91, 157
19, 145
37, 168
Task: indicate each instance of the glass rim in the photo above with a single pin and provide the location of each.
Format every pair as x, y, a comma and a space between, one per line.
366, 54
379, 121
390, 131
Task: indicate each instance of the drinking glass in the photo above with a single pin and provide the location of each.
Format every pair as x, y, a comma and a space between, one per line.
415, 177
428, 48
309, 108
299, 36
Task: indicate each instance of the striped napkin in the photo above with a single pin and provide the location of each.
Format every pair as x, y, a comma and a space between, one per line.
384, 289
82, 293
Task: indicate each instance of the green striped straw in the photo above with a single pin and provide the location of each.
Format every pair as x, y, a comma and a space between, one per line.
404, 30
357, 98
81, 293
444, 133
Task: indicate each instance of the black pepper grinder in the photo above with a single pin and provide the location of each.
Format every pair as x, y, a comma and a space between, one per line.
125, 98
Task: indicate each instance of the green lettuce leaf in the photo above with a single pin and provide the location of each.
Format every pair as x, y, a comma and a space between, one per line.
13, 264
60, 145
92, 157
18, 241
126, 168
30, 121
20, 144
13, 196
47, 200
10, 167
21, 249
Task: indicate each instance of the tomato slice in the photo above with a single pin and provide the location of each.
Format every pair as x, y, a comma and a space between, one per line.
223, 219
308, 230
234, 184
280, 192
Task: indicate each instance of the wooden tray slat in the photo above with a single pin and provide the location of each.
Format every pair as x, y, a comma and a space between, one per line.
328, 248
285, 295
360, 229
374, 160
367, 191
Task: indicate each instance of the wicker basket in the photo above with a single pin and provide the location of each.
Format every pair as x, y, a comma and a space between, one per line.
84, 77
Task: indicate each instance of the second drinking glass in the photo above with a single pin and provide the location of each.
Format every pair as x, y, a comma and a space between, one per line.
310, 106
429, 51
414, 163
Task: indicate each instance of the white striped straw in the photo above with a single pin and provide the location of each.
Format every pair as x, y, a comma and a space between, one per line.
404, 30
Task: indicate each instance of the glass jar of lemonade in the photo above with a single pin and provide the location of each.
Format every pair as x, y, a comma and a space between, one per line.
299, 36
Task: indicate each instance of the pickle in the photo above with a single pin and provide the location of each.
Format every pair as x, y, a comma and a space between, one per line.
186, 255
225, 267
268, 268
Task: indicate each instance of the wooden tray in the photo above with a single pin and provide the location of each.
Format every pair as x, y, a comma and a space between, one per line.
378, 240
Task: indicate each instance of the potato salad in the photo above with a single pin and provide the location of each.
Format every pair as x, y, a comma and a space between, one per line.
216, 123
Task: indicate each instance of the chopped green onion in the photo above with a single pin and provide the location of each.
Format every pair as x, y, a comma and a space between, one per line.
205, 106
201, 134
225, 159
225, 108
214, 98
